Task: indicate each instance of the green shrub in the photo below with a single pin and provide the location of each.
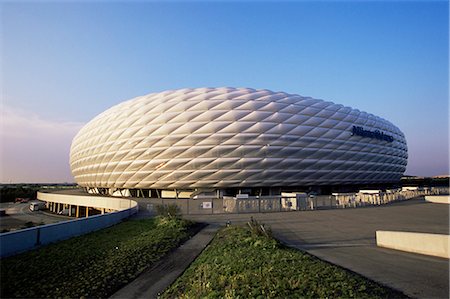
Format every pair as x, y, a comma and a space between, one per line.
169, 210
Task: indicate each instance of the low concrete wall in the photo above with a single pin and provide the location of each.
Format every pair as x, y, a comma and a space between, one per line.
88, 200
423, 243
27, 239
438, 199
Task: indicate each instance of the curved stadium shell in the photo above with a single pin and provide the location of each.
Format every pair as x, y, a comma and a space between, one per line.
235, 137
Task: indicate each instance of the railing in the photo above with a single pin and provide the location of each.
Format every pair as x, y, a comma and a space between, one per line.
267, 204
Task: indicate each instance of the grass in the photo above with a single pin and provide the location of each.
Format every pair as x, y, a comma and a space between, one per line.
244, 262
93, 265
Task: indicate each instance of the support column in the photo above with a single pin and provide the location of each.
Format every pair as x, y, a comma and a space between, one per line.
77, 212
103, 211
87, 212
70, 210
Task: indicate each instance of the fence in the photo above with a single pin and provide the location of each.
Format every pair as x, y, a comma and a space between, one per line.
267, 204
30, 238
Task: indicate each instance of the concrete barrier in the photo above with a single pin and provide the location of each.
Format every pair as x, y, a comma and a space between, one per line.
27, 239
88, 200
423, 243
445, 199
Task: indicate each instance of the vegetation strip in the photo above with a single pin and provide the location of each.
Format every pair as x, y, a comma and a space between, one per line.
246, 262
93, 265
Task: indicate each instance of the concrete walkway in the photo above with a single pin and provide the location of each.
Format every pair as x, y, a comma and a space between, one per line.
163, 273
346, 237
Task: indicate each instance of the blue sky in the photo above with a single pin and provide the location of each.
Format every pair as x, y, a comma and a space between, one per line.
64, 63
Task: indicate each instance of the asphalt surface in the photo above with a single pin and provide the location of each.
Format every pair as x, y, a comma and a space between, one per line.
346, 237
17, 214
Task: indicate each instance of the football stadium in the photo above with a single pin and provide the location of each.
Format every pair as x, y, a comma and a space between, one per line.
233, 140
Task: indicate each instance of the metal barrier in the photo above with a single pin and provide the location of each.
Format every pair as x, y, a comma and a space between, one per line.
267, 204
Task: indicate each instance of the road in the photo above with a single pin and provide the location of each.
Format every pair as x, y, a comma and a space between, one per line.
346, 237
17, 214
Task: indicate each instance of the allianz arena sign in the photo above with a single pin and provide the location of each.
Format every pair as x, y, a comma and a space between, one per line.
371, 134
235, 137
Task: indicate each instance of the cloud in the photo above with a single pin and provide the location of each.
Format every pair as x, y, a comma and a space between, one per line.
33, 149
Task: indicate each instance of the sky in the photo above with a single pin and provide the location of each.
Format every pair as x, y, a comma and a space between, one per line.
64, 63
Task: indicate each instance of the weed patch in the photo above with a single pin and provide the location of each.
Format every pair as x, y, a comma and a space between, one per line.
245, 262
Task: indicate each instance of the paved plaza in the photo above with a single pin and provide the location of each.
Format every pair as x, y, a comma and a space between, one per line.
346, 237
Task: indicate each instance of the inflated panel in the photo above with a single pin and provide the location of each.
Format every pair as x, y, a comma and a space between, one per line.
230, 137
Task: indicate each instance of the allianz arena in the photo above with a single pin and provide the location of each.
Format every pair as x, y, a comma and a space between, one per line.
220, 138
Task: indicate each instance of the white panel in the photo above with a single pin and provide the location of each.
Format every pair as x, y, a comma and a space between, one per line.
229, 137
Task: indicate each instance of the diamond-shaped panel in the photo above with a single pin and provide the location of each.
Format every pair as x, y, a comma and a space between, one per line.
230, 137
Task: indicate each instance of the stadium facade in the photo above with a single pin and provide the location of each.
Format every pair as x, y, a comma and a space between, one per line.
234, 138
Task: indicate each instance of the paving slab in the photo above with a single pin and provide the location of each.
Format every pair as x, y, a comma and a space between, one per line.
164, 272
